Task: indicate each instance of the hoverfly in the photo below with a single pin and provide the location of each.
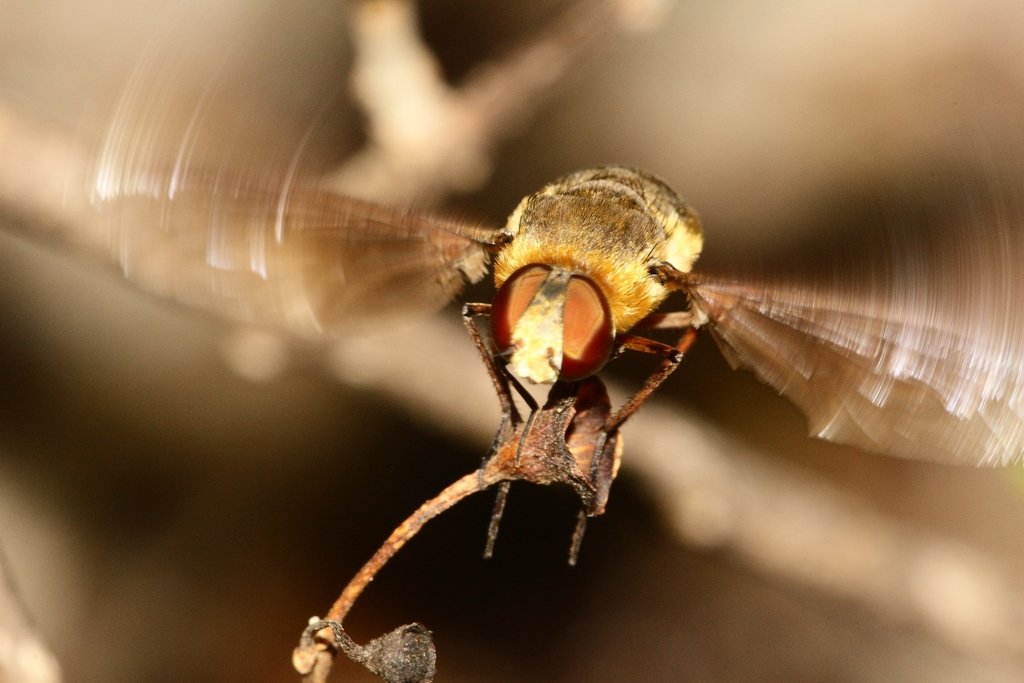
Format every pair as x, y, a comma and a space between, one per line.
917, 351
919, 355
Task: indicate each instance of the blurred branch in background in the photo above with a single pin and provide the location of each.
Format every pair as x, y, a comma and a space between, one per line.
24, 658
41, 172
427, 138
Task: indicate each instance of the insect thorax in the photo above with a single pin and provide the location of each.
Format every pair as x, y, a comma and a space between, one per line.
611, 224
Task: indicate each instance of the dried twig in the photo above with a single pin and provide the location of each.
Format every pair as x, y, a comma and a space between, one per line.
24, 658
572, 440
717, 492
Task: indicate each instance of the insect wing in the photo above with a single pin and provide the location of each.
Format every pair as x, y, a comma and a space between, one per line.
284, 254
205, 187
917, 353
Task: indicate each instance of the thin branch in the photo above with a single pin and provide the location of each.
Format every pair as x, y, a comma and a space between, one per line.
567, 441
24, 657
41, 177
427, 138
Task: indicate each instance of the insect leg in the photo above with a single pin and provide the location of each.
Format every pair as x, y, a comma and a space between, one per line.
577, 537
500, 377
496, 514
673, 355
510, 416
674, 320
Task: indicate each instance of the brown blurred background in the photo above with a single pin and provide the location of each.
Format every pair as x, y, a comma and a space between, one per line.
165, 518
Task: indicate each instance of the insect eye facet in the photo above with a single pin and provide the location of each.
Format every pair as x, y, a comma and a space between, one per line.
511, 301
587, 334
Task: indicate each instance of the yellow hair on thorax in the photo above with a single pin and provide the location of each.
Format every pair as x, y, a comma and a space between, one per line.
670, 229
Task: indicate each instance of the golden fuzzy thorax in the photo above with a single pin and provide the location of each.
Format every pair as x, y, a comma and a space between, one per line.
611, 224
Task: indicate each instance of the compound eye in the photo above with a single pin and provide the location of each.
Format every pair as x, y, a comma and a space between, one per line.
511, 301
587, 334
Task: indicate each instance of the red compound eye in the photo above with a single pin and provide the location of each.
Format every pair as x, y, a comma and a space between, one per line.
587, 334
512, 299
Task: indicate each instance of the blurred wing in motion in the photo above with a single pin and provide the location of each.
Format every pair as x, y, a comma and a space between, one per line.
918, 352
202, 194
308, 260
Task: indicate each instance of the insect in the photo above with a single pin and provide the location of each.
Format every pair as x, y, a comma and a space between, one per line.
915, 350
920, 356
917, 354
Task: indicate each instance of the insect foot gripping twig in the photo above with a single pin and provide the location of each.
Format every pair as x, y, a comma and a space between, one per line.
567, 441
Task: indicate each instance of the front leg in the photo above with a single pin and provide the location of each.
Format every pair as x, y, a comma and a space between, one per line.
673, 355
500, 377
510, 417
